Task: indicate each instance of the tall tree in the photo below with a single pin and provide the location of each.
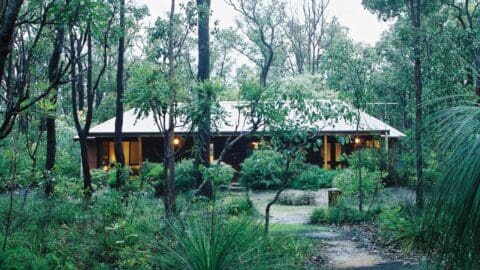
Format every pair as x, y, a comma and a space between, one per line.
53, 73
203, 136
120, 96
413, 9
261, 22
85, 32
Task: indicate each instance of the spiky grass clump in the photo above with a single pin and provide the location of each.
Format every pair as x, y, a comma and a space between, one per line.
457, 201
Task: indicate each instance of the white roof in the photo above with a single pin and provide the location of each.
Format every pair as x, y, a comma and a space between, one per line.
234, 123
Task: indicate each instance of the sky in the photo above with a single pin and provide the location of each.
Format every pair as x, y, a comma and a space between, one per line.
363, 26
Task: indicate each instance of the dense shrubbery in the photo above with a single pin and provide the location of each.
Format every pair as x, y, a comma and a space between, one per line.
402, 228
339, 214
220, 174
108, 233
262, 170
153, 173
313, 177
347, 182
240, 206
303, 198
184, 175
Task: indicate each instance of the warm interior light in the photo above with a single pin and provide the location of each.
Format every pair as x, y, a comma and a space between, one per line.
255, 145
357, 140
176, 141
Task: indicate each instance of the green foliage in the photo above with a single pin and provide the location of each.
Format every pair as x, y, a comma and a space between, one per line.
237, 243
303, 198
240, 206
313, 177
339, 214
347, 182
69, 188
262, 170
403, 229
184, 175
153, 173
22, 258
219, 174
100, 177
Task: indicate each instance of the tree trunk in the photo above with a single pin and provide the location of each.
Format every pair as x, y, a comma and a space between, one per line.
170, 193
120, 93
53, 70
7, 28
202, 157
415, 7
87, 178
285, 180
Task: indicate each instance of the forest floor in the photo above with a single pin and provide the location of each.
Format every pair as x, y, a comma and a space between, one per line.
340, 247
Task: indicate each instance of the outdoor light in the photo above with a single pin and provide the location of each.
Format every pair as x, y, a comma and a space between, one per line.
357, 140
176, 141
255, 145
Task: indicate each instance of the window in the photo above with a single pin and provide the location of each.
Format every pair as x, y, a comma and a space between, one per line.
131, 152
212, 152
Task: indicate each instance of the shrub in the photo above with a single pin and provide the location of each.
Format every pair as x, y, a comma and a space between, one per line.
99, 177
339, 214
69, 187
403, 229
237, 243
153, 174
125, 173
347, 181
312, 177
184, 175
262, 170
219, 174
304, 198
240, 206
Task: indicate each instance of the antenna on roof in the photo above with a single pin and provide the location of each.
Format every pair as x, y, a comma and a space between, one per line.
384, 104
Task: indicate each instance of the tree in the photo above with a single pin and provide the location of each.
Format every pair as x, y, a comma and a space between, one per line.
261, 23
15, 100
203, 136
159, 89
53, 73
309, 34
120, 96
414, 9
86, 32
294, 118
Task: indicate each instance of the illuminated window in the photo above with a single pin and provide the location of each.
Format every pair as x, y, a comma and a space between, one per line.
212, 152
131, 153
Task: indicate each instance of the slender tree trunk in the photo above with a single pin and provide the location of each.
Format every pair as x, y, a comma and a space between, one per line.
80, 85
202, 157
415, 6
87, 178
53, 73
285, 180
7, 28
170, 196
120, 93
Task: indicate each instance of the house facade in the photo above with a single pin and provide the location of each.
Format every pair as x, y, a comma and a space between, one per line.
143, 141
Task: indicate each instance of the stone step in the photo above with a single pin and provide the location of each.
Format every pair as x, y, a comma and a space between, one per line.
236, 187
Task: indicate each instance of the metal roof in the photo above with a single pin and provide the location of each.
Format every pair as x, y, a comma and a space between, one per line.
233, 122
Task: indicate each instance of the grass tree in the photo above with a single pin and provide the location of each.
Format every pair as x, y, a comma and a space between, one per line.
457, 198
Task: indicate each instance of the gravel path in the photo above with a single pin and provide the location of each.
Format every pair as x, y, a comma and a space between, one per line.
342, 247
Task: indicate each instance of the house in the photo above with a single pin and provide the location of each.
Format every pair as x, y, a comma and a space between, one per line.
144, 142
